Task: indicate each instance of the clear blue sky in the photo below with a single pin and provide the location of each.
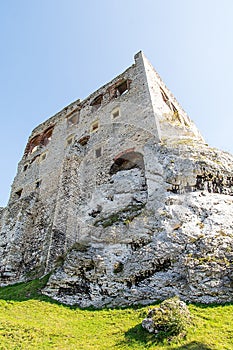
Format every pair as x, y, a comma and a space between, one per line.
56, 51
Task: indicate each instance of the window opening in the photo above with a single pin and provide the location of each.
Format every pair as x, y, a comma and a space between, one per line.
96, 103
95, 126
98, 152
19, 193
39, 140
73, 119
127, 161
122, 88
25, 167
35, 143
115, 113
38, 183
84, 140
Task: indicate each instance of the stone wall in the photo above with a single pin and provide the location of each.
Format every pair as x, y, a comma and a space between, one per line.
121, 198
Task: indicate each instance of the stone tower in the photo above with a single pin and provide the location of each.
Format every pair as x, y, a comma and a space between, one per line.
115, 192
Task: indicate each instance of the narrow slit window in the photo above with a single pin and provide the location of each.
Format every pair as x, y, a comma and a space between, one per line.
25, 167
38, 183
98, 152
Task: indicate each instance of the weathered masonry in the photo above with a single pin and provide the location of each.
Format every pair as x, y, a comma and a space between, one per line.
110, 107
120, 197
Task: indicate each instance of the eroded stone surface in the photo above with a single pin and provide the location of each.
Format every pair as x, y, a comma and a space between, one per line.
121, 199
178, 244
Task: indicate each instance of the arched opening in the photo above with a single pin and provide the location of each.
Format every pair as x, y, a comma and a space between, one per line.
126, 161
96, 103
35, 143
47, 135
39, 140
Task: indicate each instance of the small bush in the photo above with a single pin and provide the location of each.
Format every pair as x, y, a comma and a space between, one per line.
170, 319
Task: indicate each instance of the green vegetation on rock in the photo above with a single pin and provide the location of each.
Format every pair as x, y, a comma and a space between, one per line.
172, 318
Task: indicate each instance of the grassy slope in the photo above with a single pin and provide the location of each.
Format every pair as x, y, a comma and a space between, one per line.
31, 321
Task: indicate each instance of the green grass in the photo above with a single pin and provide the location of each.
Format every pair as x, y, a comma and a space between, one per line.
29, 320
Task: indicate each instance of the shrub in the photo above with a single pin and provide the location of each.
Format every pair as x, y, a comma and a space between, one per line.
170, 319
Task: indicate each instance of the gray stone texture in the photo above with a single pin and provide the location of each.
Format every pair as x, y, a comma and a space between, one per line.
119, 197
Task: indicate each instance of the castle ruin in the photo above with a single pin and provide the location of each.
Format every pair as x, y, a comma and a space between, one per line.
120, 199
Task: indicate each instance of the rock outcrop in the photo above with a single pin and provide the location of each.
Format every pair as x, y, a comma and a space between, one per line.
177, 242
121, 200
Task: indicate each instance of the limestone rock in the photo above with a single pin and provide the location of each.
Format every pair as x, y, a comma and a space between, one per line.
120, 199
179, 243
